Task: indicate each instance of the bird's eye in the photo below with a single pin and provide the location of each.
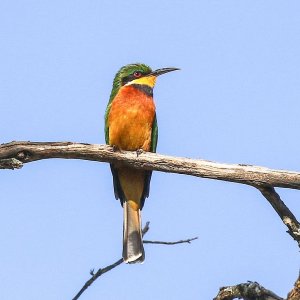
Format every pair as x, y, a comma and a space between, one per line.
137, 74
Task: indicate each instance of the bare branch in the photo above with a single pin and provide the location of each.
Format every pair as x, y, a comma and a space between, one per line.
247, 291
10, 163
283, 211
15, 154
170, 243
97, 275
101, 271
294, 294
239, 173
146, 228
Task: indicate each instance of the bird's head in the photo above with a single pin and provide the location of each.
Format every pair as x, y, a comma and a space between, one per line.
137, 74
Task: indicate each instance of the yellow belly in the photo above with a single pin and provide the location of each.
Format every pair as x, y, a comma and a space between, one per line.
128, 134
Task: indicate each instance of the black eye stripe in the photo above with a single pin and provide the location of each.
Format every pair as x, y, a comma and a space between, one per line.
127, 79
132, 77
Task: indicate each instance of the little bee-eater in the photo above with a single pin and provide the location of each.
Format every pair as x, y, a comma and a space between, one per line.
130, 124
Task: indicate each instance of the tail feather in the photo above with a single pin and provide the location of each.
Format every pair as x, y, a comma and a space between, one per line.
133, 250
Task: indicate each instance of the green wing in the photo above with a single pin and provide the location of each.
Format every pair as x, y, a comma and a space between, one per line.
154, 135
119, 194
148, 174
106, 128
116, 182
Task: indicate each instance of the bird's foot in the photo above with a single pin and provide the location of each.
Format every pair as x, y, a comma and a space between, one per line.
139, 152
115, 148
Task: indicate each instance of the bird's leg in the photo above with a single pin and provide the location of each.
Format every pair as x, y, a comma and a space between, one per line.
139, 152
115, 148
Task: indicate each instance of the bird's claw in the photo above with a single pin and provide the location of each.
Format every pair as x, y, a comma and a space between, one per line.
139, 152
115, 148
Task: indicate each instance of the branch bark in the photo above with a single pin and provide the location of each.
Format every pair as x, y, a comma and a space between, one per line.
254, 291
247, 291
26, 152
294, 294
10, 163
283, 211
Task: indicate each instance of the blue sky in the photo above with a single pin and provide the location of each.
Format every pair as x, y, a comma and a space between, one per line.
235, 100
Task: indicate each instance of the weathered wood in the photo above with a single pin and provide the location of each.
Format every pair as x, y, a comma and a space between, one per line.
247, 174
249, 290
287, 217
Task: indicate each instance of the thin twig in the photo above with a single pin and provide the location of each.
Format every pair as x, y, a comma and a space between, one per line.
97, 275
101, 271
170, 243
283, 211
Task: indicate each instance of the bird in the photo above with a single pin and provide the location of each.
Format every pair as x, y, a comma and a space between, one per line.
131, 125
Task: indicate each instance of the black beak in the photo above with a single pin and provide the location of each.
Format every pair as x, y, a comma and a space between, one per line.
163, 71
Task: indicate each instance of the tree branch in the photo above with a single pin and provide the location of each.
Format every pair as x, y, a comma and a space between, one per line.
247, 291
10, 163
96, 275
294, 294
247, 174
101, 271
283, 211
188, 241
13, 155
254, 291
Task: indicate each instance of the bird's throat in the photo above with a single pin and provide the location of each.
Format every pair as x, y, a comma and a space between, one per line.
146, 89
147, 80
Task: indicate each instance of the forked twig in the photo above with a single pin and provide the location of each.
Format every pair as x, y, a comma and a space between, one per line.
101, 271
